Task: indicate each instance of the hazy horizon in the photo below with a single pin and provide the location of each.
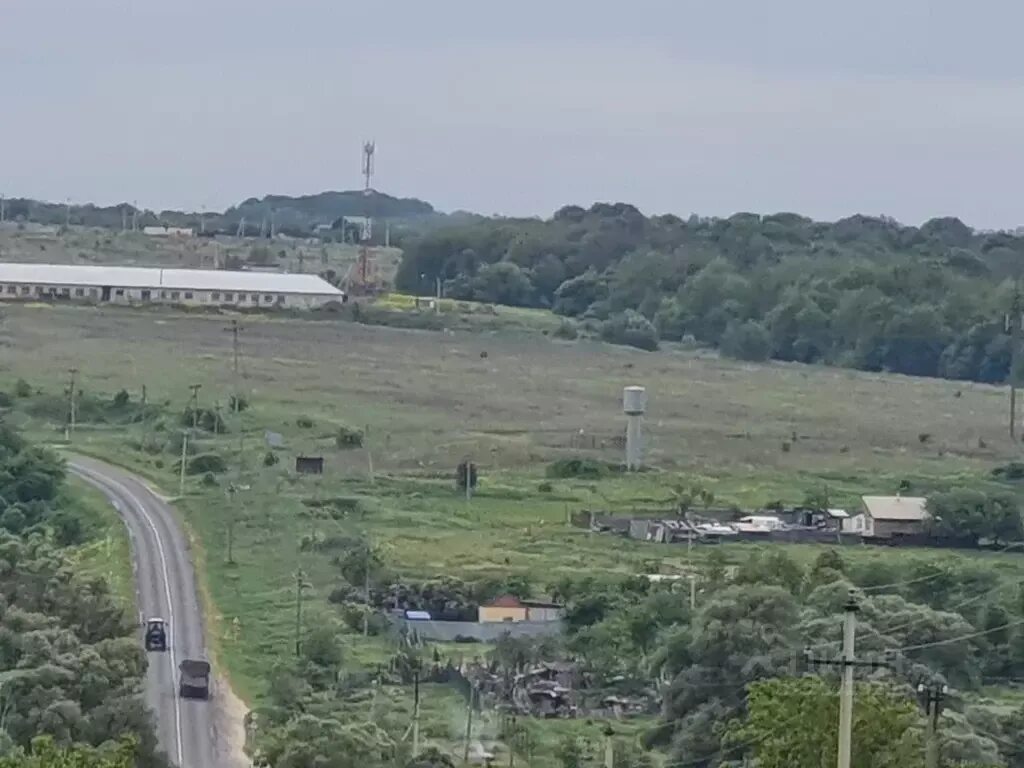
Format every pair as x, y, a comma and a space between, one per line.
675, 107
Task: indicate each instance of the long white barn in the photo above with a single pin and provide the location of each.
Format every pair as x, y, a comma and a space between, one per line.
153, 285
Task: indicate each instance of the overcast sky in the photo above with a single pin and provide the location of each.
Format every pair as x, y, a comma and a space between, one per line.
912, 108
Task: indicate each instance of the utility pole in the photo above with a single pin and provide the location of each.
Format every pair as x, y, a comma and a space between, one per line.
194, 404
234, 330
300, 585
416, 713
931, 698
67, 213
1013, 327
437, 300
366, 592
693, 592
124, 219
231, 523
609, 748
71, 401
184, 456
469, 724
3, 210
847, 664
135, 216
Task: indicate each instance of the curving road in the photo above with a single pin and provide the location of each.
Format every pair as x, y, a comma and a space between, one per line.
165, 581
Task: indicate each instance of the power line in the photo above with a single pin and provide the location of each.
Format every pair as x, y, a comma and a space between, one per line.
952, 640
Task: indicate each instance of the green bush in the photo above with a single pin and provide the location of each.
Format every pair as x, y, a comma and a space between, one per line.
564, 468
304, 422
348, 438
632, 329
206, 463
566, 330
746, 341
270, 459
22, 388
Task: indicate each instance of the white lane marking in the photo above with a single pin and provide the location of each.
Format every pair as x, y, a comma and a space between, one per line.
101, 479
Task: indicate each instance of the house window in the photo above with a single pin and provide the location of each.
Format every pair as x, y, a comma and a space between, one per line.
280, 299
40, 290
119, 292
175, 295
65, 292
267, 299
25, 290
229, 297
188, 294
255, 298
12, 289
92, 293
79, 291
163, 294
215, 296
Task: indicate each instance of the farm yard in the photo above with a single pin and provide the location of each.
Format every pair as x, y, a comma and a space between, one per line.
422, 401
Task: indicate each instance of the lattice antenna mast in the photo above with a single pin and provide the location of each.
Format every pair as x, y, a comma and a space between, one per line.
369, 148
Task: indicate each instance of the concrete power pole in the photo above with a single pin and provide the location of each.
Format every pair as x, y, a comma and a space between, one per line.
846, 689
931, 698
847, 663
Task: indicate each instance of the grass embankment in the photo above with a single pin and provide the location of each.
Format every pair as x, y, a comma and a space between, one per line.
425, 401
108, 555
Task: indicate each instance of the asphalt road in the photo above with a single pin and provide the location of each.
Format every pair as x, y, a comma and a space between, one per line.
166, 587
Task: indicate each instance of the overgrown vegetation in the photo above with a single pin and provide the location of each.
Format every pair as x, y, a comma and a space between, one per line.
861, 292
71, 666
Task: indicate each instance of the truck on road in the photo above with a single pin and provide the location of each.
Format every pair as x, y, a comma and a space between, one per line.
195, 679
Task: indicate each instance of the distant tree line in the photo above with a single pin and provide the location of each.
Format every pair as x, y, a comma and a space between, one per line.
862, 292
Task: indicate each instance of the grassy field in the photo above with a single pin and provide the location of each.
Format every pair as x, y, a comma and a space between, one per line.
510, 401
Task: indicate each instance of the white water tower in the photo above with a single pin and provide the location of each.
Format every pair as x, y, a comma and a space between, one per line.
634, 403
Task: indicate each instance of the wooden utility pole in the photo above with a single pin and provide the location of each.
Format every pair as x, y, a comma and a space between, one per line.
931, 698
609, 747
234, 329
194, 403
184, 456
231, 523
71, 401
469, 724
300, 585
416, 713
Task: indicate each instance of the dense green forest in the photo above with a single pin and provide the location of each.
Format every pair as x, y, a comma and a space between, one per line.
862, 292
71, 667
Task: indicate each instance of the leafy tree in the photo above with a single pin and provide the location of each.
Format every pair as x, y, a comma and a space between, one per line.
974, 514
630, 328
747, 340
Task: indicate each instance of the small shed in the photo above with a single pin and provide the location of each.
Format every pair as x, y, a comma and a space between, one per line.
309, 465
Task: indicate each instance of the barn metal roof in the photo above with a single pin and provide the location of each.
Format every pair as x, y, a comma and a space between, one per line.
156, 277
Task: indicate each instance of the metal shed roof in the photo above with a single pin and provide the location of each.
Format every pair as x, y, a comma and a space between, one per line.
906, 508
156, 277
